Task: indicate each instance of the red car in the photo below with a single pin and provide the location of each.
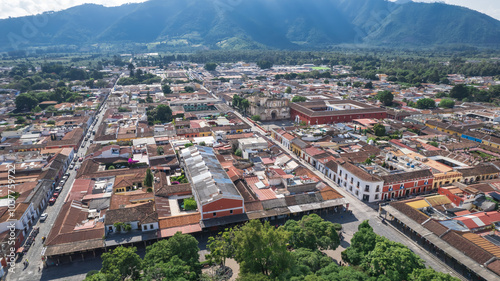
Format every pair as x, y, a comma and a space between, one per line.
55, 195
52, 201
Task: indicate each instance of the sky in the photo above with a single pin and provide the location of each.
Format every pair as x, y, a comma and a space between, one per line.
17, 8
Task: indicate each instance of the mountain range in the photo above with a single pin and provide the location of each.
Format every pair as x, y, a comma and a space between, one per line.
254, 24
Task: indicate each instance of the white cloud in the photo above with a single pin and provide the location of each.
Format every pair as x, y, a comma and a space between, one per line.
30, 7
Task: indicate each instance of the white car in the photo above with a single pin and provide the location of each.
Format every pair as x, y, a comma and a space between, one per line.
43, 217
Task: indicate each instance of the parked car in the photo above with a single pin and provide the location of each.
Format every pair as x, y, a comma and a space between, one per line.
80, 159
43, 217
91, 141
67, 174
72, 166
61, 183
77, 167
58, 189
52, 201
55, 195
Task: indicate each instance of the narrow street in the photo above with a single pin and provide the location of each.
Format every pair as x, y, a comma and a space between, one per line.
34, 271
361, 212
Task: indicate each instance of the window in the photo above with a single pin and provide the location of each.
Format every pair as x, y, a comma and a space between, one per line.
358, 184
416, 183
377, 189
340, 173
230, 211
376, 196
215, 214
352, 180
367, 188
145, 227
151, 226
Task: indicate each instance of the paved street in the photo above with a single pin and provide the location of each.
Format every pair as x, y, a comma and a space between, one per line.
361, 212
34, 271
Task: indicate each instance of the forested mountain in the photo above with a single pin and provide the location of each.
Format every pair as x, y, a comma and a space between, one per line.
255, 24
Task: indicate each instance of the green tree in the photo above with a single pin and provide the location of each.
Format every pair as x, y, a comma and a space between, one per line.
188, 89
182, 246
369, 85
190, 204
202, 143
37, 109
149, 99
256, 118
25, 101
288, 90
385, 97
238, 152
210, 66
447, 103
166, 89
357, 84
426, 103
299, 99
312, 232
441, 95
123, 261
379, 130
392, 260
175, 269
429, 274
459, 92
264, 64
99, 276
20, 120
163, 113
148, 180
362, 243
309, 261
261, 248
244, 105
236, 100
221, 246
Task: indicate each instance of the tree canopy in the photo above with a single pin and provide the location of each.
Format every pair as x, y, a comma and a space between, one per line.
426, 103
379, 130
299, 99
385, 97
262, 248
210, 66
122, 262
312, 232
447, 103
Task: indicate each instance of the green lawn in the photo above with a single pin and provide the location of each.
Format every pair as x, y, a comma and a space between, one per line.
320, 68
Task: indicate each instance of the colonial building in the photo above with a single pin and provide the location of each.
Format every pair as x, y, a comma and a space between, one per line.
334, 111
269, 108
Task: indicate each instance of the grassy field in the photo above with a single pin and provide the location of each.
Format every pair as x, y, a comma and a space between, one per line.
320, 68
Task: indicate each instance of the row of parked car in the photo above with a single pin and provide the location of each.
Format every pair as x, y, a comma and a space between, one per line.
58, 189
